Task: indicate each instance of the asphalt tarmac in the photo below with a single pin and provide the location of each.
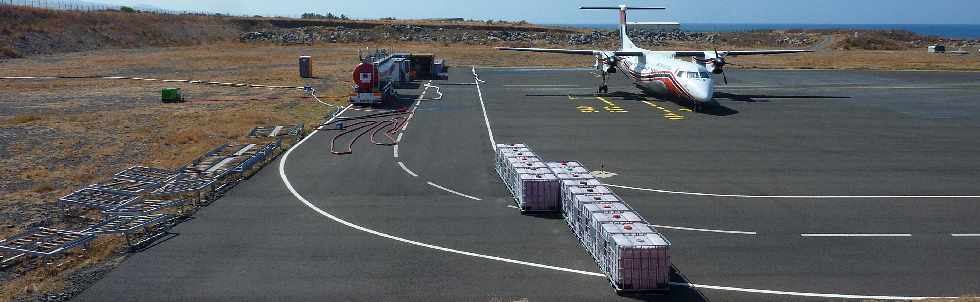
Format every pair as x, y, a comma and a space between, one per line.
800, 185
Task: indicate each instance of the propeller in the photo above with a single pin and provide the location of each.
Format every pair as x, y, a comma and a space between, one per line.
720, 65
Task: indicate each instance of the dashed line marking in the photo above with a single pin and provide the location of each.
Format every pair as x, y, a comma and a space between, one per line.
965, 235
395, 150
401, 164
451, 191
612, 107
855, 235
399, 137
703, 230
668, 114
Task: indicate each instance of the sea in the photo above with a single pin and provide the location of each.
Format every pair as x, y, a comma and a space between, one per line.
948, 31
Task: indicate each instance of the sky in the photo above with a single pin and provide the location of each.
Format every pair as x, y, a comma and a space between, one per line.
566, 12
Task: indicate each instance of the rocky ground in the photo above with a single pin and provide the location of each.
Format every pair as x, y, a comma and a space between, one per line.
410, 33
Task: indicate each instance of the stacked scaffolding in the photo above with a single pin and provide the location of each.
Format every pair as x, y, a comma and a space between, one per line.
44, 242
627, 248
288, 134
142, 203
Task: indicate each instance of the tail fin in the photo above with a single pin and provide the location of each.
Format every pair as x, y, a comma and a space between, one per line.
624, 39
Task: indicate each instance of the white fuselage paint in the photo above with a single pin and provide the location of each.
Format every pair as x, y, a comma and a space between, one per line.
659, 73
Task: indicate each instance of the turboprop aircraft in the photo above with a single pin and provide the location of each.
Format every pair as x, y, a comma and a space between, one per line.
660, 73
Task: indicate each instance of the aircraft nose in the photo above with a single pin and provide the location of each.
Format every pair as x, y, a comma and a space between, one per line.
704, 94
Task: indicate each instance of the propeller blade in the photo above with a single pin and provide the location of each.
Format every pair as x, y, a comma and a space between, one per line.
724, 76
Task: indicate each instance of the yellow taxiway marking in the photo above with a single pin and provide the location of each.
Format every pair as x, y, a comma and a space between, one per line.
668, 114
586, 109
571, 98
612, 107
685, 109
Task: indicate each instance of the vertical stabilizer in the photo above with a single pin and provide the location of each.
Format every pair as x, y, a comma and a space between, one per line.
624, 39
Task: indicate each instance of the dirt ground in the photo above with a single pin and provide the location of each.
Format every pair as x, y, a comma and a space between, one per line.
57, 136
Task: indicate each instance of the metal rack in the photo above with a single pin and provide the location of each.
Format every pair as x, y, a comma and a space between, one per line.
289, 133
128, 186
138, 230
146, 174
95, 197
178, 207
199, 191
45, 242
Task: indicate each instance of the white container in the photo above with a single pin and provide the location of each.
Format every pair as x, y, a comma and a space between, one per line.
575, 217
591, 224
564, 164
637, 263
539, 193
511, 146
570, 170
606, 231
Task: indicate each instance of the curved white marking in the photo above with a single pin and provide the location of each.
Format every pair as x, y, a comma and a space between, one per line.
451, 191
289, 186
703, 230
400, 164
802, 294
794, 196
855, 235
486, 119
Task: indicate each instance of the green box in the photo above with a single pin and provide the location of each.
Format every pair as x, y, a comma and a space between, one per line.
171, 95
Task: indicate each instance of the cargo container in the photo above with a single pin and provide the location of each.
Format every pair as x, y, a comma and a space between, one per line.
171, 95
564, 164
592, 223
605, 232
570, 170
538, 193
575, 220
637, 263
569, 193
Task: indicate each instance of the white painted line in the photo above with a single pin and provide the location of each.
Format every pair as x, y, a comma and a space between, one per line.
486, 119
703, 230
400, 137
512, 206
289, 186
966, 235
395, 151
451, 191
407, 170
855, 235
245, 149
802, 294
795, 196
542, 86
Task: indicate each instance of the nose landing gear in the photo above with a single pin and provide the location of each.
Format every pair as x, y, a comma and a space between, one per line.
603, 88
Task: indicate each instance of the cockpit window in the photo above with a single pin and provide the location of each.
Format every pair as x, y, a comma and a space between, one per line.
698, 75
680, 74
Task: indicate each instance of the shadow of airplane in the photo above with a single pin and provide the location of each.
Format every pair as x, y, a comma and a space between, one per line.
708, 109
764, 98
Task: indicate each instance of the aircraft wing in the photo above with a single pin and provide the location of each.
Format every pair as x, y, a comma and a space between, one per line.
578, 51
552, 50
709, 53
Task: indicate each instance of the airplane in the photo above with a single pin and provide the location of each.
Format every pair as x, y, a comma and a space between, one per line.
660, 73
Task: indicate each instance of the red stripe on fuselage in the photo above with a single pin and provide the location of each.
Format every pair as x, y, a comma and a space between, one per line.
672, 84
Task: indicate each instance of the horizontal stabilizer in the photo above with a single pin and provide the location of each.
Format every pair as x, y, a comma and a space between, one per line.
619, 8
